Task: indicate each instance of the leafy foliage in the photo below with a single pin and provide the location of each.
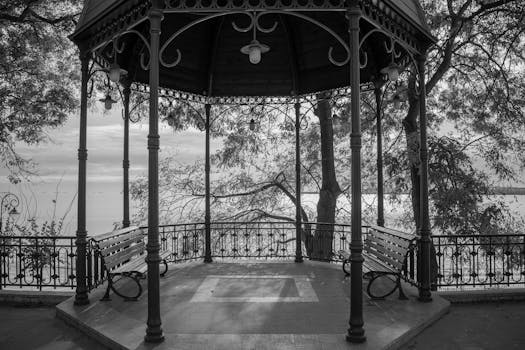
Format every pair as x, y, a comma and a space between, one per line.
38, 74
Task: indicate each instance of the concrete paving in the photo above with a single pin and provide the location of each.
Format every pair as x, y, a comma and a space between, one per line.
253, 305
487, 326
38, 328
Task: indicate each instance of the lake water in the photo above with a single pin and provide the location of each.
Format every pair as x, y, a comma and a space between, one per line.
104, 205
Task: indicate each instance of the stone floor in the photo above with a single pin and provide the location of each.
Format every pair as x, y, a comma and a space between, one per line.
253, 305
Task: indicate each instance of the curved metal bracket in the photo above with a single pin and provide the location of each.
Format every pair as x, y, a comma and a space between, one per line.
391, 49
255, 25
117, 49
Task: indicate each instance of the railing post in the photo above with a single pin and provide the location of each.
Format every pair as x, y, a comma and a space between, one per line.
424, 286
298, 208
207, 168
154, 332
356, 332
89, 261
81, 296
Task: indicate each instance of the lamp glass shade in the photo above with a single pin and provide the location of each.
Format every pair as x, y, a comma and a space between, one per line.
255, 54
254, 50
114, 73
108, 102
393, 73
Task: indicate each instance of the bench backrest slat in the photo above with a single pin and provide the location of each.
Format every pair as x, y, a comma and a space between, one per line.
111, 245
392, 232
399, 241
383, 254
395, 250
114, 234
124, 255
386, 248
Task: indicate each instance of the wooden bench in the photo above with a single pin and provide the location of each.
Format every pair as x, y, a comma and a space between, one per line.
122, 253
385, 252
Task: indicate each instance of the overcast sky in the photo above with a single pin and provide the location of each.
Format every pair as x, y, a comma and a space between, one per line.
57, 163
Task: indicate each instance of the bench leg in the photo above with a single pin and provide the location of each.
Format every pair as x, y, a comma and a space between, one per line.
165, 268
135, 276
373, 277
346, 267
402, 295
110, 286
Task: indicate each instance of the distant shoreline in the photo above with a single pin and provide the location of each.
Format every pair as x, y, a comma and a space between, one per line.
507, 191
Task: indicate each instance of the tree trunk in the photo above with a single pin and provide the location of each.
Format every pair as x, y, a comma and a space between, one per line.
330, 190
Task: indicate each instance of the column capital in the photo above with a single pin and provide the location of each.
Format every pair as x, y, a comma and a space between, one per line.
353, 10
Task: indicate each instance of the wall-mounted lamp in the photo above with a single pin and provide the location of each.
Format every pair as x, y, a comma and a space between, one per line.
252, 125
115, 72
108, 102
392, 71
171, 119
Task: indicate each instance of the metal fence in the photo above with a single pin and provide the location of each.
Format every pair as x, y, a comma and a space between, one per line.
462, 261
260, 240
38, 262
480, 261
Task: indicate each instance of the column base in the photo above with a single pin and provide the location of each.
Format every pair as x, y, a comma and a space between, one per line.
299, 259
154, 336
208, 260
356, 336
81, 300
424, 296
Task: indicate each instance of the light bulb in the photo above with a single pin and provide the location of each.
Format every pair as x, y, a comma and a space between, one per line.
255, 54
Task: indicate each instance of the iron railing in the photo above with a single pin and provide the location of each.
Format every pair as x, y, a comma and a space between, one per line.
38, 262
462, 261
480, 261
265, 240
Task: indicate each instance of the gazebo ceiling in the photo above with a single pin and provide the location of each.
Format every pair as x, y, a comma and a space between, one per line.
201, 42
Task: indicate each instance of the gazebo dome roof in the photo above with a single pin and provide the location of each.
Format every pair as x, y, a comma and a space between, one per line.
209, 35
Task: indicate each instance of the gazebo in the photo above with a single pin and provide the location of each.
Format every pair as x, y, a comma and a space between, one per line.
250, 52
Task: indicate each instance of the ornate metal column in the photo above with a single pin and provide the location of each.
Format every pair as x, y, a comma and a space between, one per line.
380, 187
424, 287
81, 296
298, 218
207, 215
125, 162
154, 330
356, 332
